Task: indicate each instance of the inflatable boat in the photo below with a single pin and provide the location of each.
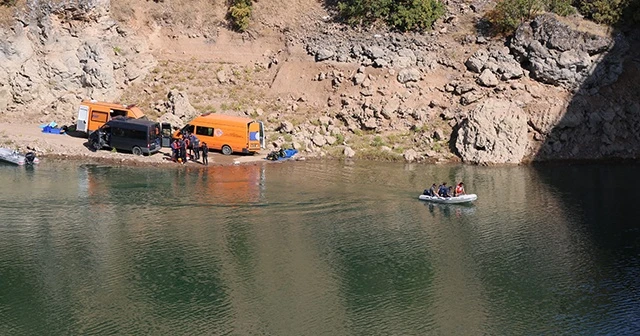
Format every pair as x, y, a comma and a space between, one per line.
449, 200
14, 157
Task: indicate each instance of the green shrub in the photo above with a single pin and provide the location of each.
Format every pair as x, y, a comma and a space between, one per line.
404, 15
560, 7
509, 14
240, 14
610, 11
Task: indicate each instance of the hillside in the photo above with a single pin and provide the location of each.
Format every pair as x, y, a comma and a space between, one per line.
323, 87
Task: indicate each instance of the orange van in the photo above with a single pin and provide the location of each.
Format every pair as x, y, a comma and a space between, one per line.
93, 114
226, 133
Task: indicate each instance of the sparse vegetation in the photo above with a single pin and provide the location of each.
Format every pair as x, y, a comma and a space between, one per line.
610, 11
405, 15
375, 154
377, 141
240, 14
509, 14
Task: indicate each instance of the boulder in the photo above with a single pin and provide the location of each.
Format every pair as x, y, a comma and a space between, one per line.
410, 155
324, 54
408, 75
319, 140
286, 127
390, 108
493, 132
349, 152
488, 79
177, 104
556, 54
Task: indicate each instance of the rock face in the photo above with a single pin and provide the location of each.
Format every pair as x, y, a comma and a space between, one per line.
177, 109
494, 132
56, 55
558, 55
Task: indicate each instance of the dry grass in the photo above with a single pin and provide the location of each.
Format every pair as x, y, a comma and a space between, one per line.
193, 15
198, 80
579, 24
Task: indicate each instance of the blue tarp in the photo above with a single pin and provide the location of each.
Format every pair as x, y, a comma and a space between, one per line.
52, 130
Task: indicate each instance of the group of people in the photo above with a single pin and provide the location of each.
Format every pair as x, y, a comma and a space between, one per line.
189, 146
444, 191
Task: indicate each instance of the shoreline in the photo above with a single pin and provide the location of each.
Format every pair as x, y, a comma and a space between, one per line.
129, 160
62, 147
26, 137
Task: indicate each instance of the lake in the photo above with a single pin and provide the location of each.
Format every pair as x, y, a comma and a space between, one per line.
318, 248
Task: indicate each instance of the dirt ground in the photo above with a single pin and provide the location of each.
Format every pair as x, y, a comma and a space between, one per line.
47, 146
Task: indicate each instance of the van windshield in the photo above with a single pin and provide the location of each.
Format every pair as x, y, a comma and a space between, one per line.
187, 129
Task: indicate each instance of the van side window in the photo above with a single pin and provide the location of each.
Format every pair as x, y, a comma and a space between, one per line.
135, 134
99, 117
118, 113
207, 131
154, 131
117, 132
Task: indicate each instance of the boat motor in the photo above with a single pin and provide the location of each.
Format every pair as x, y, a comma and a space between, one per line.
29, 158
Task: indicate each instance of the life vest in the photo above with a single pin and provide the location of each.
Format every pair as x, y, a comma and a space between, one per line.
459, 189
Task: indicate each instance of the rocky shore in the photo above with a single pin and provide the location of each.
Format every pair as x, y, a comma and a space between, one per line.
63, 147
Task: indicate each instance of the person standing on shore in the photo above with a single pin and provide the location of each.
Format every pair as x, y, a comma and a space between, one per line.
174, 150
183, 151
205, 154
195, 143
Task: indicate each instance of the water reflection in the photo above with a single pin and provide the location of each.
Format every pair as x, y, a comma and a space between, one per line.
447, 210
313, 248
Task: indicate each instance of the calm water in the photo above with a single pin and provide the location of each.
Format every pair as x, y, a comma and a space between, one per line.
310, 248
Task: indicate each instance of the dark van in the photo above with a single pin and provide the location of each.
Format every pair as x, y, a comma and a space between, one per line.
139, 136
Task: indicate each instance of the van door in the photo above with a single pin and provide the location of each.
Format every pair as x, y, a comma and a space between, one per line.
166, 135
117, 138
254, 143
83, 118
262, 137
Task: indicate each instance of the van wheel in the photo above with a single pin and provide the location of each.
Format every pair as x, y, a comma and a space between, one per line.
136, 150
226, 150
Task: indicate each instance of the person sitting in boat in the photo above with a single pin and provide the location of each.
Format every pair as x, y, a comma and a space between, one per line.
433, 191
450, 192
442, 189
459, 189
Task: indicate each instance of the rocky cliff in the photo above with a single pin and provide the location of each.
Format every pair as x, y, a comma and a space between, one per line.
558, 89
53, 56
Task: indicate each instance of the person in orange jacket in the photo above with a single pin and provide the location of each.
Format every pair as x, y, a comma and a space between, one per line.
459, 189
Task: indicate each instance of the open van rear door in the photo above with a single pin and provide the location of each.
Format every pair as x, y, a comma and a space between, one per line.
83, 118
166, 134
